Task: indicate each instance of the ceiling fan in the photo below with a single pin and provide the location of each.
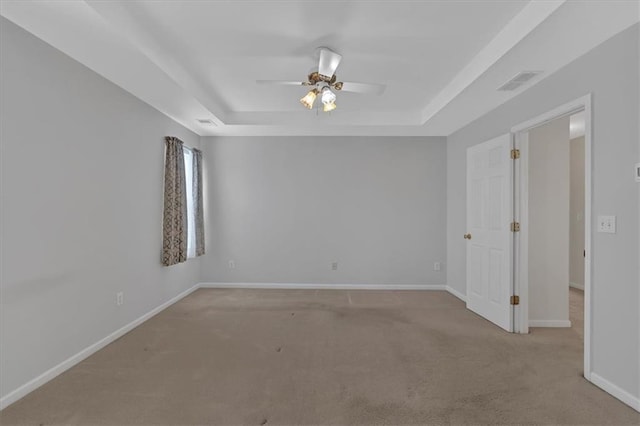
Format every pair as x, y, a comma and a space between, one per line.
324, 80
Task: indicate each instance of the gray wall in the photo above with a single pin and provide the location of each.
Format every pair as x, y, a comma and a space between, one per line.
82, 171
548, 159
610, 72
285, 208
86, 222
576, 214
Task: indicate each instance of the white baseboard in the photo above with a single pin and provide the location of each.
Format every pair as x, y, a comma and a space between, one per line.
55, 371
50, 374
550, 323
621, 394
576, 285
322, 286
457, 294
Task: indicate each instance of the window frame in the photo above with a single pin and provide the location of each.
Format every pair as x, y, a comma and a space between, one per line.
187, 154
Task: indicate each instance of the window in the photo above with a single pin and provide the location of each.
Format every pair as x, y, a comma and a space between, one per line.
182, 216
191, 210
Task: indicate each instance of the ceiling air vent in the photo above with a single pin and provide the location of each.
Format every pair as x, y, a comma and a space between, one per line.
518, 80
206, 121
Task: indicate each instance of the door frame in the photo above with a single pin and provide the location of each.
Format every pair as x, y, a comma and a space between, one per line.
521, 212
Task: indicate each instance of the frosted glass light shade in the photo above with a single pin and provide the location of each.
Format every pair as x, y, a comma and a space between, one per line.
328, 97
329, 106
309, 98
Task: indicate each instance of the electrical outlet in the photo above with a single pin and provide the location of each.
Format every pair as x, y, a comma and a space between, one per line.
436, 266
232, 264
334, 266
119, 298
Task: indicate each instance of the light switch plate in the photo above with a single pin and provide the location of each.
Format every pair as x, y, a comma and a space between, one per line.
638, 172
607, 224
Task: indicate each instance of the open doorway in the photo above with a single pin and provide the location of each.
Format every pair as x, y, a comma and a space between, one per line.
552, 199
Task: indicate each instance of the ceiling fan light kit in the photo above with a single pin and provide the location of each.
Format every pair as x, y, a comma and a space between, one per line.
309, 98
328, 107
328, 97
324, 80
323, 87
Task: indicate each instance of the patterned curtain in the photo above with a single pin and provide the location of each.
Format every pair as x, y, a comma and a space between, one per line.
197, 201
174, 223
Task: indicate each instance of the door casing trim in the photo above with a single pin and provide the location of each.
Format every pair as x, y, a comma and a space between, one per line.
521, 172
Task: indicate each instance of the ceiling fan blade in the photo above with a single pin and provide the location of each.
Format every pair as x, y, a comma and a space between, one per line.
282, 83
368, 88
329, 61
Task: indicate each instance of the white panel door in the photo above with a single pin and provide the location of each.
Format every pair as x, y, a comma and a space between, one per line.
489, 237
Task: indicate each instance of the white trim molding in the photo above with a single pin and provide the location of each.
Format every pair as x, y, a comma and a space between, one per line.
324, 286
457, 294
521, 285
65, 365
569, 108
615, 391
55, 371
550, 323
520, 26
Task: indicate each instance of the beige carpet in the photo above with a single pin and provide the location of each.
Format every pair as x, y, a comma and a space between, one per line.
294, 357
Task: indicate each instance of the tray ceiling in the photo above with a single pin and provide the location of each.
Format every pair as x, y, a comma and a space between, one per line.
441, 61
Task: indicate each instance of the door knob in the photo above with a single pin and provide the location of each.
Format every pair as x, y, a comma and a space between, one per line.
467, 236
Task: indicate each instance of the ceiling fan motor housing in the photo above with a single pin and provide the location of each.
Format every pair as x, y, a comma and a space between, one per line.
316, 78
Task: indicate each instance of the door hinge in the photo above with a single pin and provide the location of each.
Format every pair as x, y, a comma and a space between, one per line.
515, 154
515, 226
515, 300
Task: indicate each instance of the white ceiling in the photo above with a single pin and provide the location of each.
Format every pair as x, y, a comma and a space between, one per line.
440, 60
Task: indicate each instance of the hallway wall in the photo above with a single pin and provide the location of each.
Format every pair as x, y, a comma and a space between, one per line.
576, 213
549, 223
